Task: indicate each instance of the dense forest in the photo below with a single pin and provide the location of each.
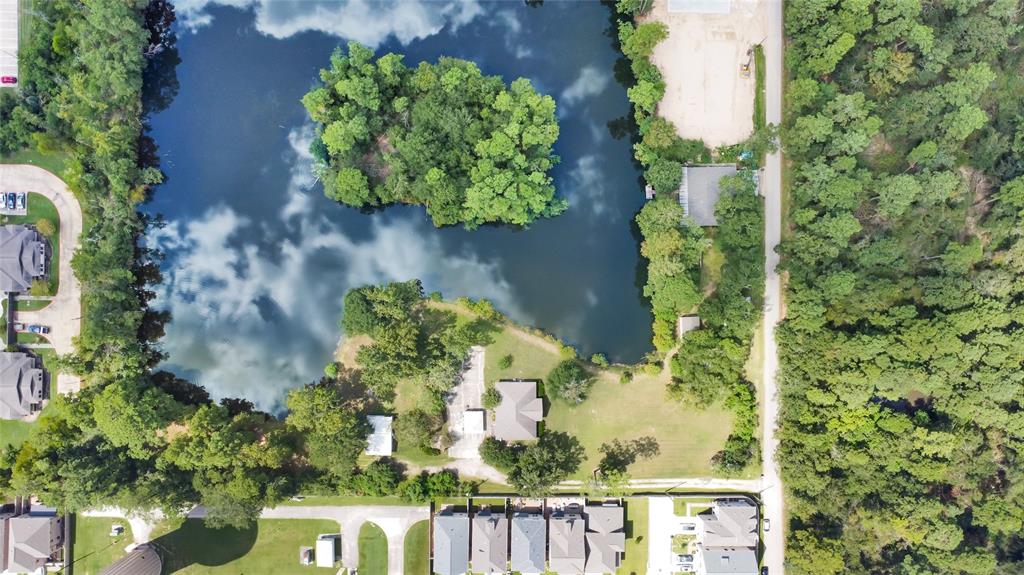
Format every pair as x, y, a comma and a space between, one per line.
466, 146
902, 348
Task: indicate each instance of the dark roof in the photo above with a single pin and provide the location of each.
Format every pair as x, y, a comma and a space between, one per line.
21, 384
143, 560
21, 257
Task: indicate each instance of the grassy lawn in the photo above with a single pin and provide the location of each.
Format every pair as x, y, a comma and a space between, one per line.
529, 361
417, 555
54, 162
373, 550
680, 504
634, 560
711, 264
41, 208
31, 304
13, 432
94, 548
687, 438
270, 546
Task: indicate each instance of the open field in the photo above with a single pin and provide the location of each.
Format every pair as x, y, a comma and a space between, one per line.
634, 560
687, 437
417, 554
94, 548
705, 96
373, 550
270, 546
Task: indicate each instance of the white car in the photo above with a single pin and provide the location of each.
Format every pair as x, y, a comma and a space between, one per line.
766, 525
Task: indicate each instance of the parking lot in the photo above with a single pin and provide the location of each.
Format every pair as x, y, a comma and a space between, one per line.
8, 43
14, 204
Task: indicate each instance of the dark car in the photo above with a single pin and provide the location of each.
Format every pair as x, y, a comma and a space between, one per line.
764, 571
8, 79
11, 200
42, 329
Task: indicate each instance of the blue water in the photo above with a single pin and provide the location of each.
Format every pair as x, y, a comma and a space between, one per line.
258, 260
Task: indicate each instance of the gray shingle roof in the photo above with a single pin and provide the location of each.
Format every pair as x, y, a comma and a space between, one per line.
605, 537
516, 417
21, 257
31, 542
451, 543
730, 561
566, 543
698, 192
528, 542
21, 384
489, 543
730, 523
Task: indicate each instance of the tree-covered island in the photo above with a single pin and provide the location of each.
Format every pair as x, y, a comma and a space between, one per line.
466, 146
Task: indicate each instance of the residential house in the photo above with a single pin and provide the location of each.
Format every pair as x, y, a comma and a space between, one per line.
143, 560
489, 542
529, 540
29, 542
699, 192
451, 542
729, 538
606, 540
567, 551
516, 417
22, 384
22, 257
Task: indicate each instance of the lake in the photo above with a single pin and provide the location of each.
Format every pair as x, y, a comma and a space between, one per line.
258, 260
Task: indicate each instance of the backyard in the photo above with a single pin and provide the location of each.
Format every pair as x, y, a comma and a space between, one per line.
270, 546
94, 548
417, 540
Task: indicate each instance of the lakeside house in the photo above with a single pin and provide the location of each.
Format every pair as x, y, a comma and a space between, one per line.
516, 417
699, 191
22, 384
22, 258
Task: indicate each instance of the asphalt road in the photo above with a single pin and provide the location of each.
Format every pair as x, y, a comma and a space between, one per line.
64, 314
772, 494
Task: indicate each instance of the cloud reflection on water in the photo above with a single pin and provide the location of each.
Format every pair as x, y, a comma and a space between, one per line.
243, 316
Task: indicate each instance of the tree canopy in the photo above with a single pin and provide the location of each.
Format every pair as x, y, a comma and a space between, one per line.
465, 145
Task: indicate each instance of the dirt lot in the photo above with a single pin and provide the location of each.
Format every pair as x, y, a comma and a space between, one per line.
705, 96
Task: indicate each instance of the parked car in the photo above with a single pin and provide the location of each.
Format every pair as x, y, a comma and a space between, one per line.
21, 201
764, 571
8, 79
11, 200
19, 327
41, 329
766, 525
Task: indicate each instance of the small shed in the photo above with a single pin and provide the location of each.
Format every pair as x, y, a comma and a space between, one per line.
380, 442
687, 323
327, 549
305, 555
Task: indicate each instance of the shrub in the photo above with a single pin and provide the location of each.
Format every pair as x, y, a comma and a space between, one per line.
599, 359
569, 381
499, 454
331, 370
41, 287
418, 428
506, 361
626, 377
46, 227
492, 398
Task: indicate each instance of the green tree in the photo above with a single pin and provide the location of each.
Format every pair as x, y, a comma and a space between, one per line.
569, 381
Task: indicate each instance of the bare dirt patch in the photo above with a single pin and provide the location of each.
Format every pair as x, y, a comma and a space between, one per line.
705, 96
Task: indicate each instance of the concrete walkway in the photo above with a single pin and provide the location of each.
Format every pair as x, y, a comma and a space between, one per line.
64, 315
702, 483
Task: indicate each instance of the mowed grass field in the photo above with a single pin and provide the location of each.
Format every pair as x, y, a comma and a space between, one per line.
687, 437
417, 555
94, 548
270, 546
373, 550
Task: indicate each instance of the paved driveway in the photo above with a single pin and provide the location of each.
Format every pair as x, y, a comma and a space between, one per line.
466, 395
64, 314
